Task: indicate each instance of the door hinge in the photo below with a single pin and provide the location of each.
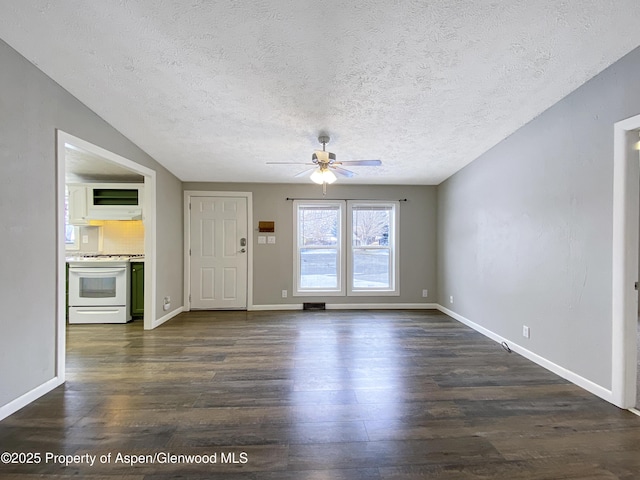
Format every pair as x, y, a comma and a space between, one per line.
635, 285
189, 298
189, 252
189, 205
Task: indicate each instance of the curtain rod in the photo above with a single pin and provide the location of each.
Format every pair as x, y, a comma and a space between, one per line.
347, 199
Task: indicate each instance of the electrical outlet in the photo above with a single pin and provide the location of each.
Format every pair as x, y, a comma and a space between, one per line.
85, 238
451, 299
425, 293
167, 300
284, 294
526, 333
166, 303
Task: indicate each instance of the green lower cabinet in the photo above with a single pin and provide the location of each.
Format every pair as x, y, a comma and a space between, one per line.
137, 289
66, 290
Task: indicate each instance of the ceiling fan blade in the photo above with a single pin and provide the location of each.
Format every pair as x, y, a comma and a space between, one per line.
289, 163
364, 163
342, 171
305, 171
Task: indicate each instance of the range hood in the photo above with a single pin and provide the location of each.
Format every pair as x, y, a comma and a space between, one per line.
115, 213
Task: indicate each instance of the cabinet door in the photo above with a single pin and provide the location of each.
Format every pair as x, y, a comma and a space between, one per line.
137, 289
77, 205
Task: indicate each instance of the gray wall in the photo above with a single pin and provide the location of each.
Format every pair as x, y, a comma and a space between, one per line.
525, 231
273, 264
32, 107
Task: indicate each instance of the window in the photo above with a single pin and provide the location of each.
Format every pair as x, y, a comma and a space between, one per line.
326, 263
318, 255
71, 232
373, 254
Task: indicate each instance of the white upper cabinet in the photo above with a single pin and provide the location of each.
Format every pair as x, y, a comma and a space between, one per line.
105, 201
77, 204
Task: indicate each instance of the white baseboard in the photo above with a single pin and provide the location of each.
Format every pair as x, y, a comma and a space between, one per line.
381, 306
535, 358
350, 306
22, 401
159, 321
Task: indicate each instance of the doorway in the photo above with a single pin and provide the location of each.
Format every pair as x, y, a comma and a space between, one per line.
64, 142
637, 291
218, 253
625, 263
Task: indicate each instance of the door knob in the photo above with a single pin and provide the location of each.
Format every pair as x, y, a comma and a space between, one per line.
243, 250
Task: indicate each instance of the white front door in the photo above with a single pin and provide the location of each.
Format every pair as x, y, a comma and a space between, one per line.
218, 245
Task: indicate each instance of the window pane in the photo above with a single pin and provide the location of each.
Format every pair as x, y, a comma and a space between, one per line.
318, 225
371, 226
69, 230
69, 234
371, 268
318, 268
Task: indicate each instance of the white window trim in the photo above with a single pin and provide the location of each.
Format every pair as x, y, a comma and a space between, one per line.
394, 239
341, 263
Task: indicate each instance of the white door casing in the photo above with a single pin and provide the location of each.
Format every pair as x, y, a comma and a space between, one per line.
626, 190
218, 246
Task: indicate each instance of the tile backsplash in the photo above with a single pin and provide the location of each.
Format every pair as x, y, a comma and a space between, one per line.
122, 236
113, 237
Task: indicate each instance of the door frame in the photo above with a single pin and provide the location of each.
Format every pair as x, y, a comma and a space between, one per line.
149, 216
187, 241
625, 249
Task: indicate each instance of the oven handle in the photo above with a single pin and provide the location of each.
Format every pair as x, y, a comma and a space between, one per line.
96, 272
97, 312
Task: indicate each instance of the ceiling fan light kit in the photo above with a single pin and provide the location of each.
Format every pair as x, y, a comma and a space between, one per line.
323, 175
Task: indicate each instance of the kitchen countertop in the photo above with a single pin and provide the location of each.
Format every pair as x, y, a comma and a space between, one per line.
102, 261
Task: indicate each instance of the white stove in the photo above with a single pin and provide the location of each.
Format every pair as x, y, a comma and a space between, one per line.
99, 288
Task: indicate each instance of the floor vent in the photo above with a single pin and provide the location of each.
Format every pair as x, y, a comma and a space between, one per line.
313, 306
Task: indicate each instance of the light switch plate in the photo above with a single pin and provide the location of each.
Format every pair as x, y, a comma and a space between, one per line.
262, 239
271, 239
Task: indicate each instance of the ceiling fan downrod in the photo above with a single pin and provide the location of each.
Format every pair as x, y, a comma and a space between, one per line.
324, 139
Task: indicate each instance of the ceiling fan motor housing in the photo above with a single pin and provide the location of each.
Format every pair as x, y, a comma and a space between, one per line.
320, 156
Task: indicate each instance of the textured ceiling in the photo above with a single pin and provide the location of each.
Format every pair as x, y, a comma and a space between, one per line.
213, 90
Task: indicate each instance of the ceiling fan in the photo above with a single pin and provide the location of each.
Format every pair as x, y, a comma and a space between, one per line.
324, 164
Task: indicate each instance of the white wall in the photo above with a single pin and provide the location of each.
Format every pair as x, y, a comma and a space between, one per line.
525, 231
32, 107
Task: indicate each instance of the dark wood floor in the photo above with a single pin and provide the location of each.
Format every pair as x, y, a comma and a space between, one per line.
317, 395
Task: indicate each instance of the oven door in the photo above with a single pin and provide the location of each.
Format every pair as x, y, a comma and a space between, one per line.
94, 287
